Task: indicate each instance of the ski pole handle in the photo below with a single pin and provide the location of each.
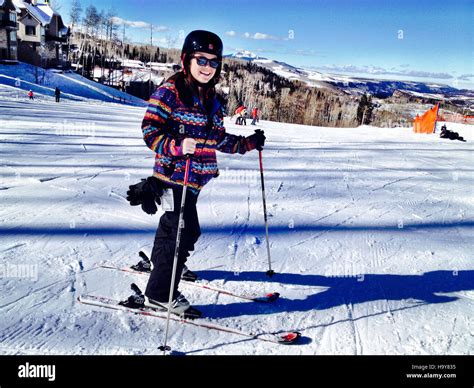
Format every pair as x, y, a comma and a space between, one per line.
186, 171
259, 148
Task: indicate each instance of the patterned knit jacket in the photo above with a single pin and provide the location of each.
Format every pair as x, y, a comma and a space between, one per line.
167, 121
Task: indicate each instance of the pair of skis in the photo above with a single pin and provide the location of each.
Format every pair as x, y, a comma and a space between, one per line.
105, 302
109, 303
267, 298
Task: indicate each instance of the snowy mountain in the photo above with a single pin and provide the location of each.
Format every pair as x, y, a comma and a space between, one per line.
358, 85
371, 234
243, 54
386, 88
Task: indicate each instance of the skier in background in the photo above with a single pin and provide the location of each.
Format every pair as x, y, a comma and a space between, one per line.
30, 95
237, 114
255, 118
240, 112
451, 135
243, 115
57, 93
184, 117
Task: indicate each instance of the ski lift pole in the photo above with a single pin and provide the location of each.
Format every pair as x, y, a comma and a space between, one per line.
270, 272
165, 347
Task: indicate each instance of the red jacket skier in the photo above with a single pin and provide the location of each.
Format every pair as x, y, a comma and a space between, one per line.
255, 118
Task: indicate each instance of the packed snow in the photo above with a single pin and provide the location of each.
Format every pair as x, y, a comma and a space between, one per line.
371, 233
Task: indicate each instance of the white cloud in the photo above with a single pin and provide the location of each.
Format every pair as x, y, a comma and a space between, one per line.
230, 33
381, 71
306, 53
260, 50
138, 24
260, 36
160, 28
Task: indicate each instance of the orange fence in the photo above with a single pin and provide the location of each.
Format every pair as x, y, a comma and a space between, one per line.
456, 118
427, 122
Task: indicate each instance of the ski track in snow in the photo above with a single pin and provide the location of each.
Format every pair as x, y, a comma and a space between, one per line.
371, 234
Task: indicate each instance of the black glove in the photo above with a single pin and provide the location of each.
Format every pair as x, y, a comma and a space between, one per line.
146, 193
259, 139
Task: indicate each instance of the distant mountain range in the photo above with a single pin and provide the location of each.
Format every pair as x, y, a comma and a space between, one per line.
359, 85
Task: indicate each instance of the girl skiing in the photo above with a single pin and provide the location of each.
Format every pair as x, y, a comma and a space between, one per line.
184, 119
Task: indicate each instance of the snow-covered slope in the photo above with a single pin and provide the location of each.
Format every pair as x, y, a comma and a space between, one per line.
73, 86
371, 234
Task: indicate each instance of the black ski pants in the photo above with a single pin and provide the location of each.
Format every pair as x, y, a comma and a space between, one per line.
162, 255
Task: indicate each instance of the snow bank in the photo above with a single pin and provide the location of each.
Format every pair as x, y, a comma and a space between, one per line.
73, 86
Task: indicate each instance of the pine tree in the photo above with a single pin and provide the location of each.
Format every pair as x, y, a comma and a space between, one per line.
364, 110
369, 110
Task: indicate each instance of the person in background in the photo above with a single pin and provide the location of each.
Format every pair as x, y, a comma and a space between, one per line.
237, 114
57, 93
243, 115
30, 95
255, 118
451, 135
241, 112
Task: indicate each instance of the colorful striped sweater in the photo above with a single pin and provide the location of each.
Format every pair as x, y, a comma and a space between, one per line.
167, 121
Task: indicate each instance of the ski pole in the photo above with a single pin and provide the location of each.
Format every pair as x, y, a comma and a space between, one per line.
270, 272
165, 347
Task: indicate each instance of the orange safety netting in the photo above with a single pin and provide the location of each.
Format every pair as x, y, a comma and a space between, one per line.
454, 117
426, 123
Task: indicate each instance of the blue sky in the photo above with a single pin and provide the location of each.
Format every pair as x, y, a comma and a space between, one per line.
417, 40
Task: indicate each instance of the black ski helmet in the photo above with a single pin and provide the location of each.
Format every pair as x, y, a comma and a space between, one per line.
204, 41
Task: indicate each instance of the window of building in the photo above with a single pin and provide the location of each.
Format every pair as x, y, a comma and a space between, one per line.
13, 37
30, 30
13, 17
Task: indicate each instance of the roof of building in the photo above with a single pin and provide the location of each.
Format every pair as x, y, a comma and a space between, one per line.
44, 18
3, 2
19, 4
42, 11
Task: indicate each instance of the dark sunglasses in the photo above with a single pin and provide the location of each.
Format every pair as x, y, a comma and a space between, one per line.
203, 61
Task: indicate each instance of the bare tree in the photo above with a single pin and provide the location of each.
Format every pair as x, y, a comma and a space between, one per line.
55, 5
91, 20
75, 13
